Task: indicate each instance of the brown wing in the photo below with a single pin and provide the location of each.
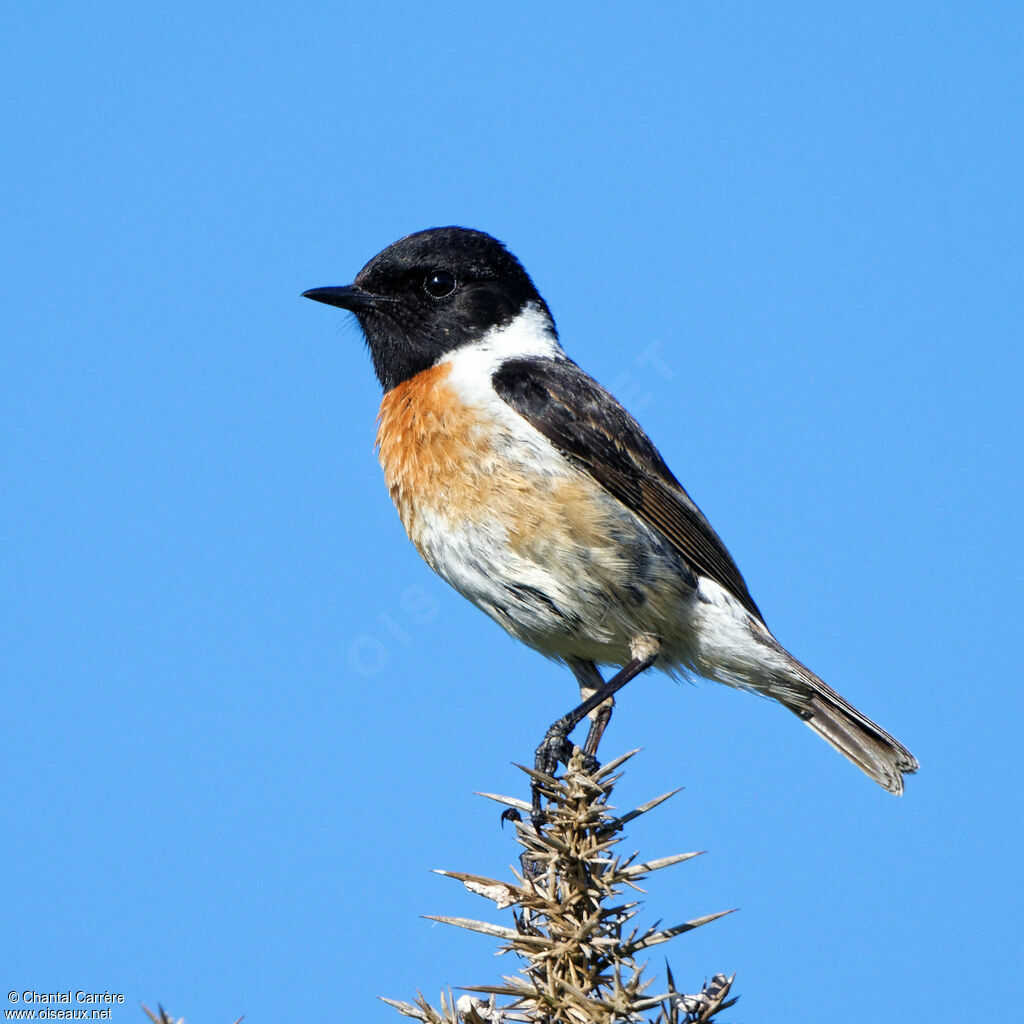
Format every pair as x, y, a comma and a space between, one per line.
585, 422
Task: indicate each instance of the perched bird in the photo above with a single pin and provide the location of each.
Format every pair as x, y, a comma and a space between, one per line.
537, 496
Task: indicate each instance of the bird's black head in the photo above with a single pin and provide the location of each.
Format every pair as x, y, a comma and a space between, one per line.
431, 293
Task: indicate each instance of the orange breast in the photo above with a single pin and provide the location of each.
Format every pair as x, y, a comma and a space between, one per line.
431, 447
446, 463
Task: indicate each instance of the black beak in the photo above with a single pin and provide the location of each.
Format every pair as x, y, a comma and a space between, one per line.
347, 296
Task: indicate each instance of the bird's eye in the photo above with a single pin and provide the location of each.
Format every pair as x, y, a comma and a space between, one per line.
439, 283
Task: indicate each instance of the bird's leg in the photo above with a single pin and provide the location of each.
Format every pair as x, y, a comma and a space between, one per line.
590, 680
555, 745
599, 720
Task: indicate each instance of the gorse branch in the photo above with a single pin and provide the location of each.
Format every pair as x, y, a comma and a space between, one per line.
573, 924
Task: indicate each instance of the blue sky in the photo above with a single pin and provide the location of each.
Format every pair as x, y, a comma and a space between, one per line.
241, 719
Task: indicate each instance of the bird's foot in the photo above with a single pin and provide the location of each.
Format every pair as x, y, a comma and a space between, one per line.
555, 749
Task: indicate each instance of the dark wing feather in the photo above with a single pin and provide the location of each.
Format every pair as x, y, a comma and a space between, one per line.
584, 422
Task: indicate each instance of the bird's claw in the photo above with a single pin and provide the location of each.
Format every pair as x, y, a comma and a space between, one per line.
555, 749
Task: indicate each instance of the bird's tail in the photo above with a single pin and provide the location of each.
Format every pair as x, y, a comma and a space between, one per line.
853, 734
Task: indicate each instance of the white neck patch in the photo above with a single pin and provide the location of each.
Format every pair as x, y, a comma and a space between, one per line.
531, 333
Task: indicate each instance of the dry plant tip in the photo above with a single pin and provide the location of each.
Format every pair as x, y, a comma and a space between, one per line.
573, 930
